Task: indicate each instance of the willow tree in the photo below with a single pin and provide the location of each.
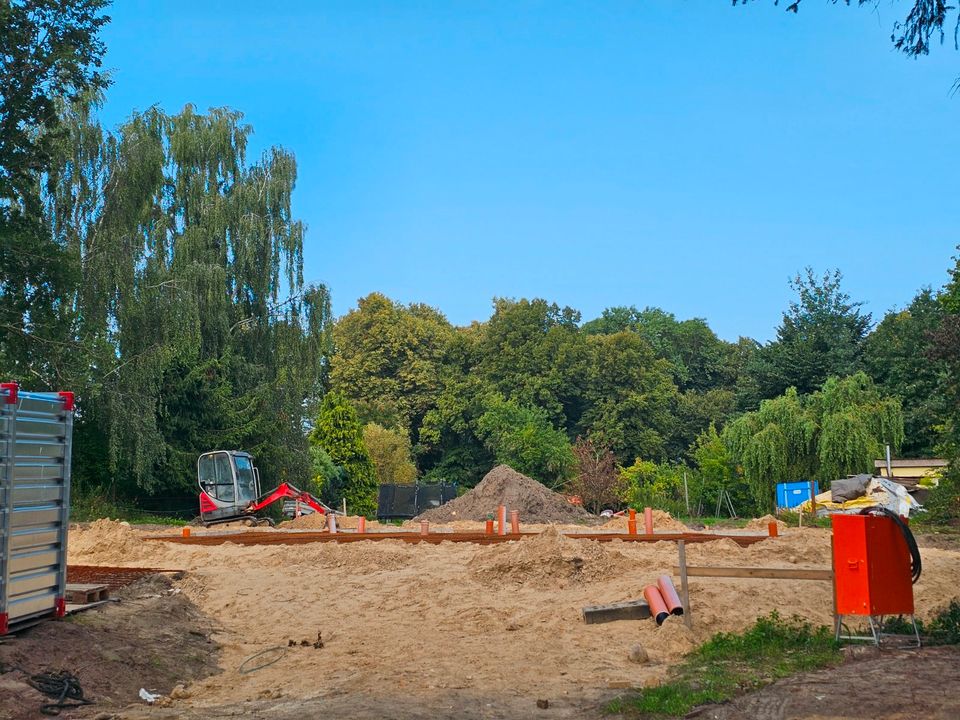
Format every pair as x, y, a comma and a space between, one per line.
836, 431
191, 301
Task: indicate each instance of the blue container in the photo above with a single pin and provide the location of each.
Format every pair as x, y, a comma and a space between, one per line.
791, 494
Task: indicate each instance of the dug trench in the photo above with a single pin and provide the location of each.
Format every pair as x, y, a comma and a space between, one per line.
151, 636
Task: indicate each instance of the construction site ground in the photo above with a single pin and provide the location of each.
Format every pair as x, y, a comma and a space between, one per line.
445, 630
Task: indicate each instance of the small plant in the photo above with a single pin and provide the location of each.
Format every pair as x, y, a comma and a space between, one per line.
730, 664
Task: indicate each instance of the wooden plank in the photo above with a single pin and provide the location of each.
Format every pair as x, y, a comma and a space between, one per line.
684, 588
760, 572
629, 610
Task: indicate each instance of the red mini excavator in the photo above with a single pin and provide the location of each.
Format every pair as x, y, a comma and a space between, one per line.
230, 489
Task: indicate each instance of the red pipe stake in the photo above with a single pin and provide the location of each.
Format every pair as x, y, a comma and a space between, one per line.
773, 529
502, 520
515, 522
648, 521
361, 525
658, 608
669, 594
488, 530
632, 522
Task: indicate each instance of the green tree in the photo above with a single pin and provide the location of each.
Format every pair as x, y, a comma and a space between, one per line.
836, 431
388, 360
524, 439
189, 317
897, 355
597, 481
50, 51
629, 397
649, 484
820, 336
390, 452
339, 434
533, 353
716, 472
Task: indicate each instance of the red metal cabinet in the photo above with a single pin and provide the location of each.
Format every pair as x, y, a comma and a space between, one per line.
871, 566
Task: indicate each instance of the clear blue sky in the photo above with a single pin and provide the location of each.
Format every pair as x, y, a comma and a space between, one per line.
690, 155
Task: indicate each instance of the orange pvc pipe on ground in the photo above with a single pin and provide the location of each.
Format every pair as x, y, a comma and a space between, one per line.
515, 522
658, 608
488, 530
424, 527
502, 520
669, 594
632, 522
773, 529
648, 521
361, 525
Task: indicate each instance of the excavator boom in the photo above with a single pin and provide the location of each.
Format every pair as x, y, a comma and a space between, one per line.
286, 491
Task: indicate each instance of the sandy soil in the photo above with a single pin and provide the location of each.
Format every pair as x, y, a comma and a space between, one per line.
461, 629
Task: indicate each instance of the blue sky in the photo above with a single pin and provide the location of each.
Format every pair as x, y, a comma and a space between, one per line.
689, 155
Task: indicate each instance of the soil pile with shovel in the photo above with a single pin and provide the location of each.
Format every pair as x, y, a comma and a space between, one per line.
505, 486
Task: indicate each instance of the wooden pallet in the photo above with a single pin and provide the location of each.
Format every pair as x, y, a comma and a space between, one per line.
82, 594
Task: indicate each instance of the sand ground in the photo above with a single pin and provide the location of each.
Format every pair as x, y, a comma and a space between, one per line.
483, 631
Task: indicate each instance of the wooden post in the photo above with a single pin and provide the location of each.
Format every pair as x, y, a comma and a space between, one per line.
813, 500
684, 589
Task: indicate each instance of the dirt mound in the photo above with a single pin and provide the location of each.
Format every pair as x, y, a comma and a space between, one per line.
115, 539
505, 486
549, 558
662, 522
763, 524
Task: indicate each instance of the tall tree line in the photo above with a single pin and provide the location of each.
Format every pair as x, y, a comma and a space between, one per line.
155, 270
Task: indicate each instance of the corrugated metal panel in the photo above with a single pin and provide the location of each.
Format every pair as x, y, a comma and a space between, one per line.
35, 441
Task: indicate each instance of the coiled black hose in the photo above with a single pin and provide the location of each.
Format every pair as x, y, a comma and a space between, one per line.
915, 565
63, 686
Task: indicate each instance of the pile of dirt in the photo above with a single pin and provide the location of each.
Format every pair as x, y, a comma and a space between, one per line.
763, 524
663, 522
505, 486
313, 521
114, 538
549, 558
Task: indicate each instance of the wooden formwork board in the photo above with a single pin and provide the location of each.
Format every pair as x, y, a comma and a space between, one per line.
281, 537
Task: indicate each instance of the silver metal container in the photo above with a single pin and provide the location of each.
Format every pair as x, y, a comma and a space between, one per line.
36, 434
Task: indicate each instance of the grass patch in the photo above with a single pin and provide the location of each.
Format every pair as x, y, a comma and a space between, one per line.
730, 664
94, 507
942, 629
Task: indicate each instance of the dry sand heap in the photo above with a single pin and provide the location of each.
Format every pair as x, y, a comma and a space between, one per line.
505, 486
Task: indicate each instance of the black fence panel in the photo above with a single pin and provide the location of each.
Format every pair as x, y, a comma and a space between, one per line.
402, 502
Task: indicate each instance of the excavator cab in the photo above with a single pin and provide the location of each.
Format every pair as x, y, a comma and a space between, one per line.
229, 484
230, 489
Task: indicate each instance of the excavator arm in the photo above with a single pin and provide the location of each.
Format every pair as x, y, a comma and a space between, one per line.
287, 491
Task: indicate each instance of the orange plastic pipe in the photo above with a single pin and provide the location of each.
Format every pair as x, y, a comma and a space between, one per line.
361, 525
424, 527
669, 594
186, 532
515, 522
489, 528
502, 520
648, 521
632, 522
772, 529
658, 608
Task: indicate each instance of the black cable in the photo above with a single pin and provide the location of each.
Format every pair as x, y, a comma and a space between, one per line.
62, 685
915, 564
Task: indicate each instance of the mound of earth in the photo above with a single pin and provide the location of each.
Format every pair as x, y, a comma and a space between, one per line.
663, 522
505, 486
549, 558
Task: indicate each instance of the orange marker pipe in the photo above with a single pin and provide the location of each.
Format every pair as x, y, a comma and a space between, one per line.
773, 529
502, 520
658, 608
362, 525
424, 527
669, 594
489, 528
515, 522
648, 521
632, 522
332, 523
186, 532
